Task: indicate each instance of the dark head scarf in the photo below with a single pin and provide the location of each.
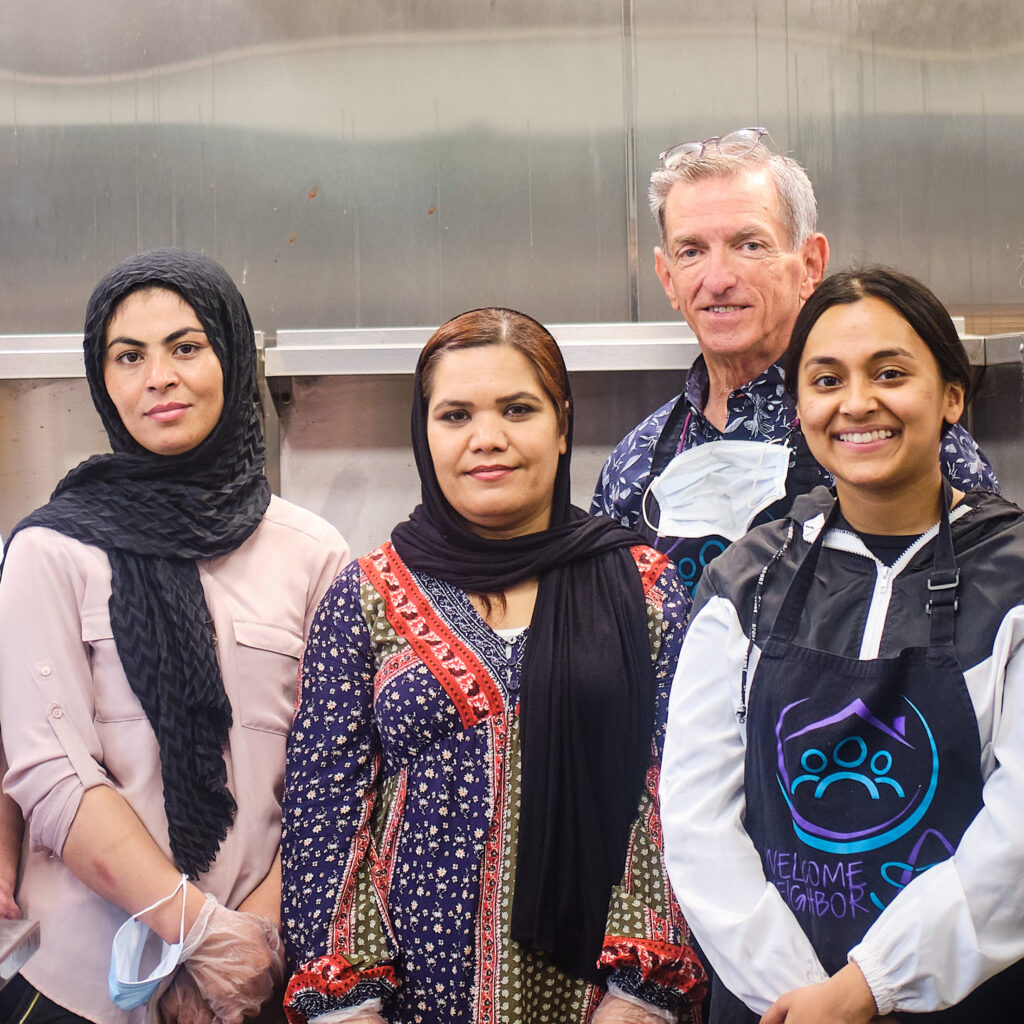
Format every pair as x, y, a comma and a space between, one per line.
154, 516
587, 695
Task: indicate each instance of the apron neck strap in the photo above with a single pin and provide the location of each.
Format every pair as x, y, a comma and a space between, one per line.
944, 580
942, 583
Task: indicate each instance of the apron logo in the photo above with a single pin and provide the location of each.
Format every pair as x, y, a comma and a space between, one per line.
871, 781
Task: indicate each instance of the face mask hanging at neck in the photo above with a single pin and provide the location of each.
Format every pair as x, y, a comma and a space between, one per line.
718, 488
126, 989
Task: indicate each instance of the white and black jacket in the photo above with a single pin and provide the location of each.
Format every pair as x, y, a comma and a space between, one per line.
954, 925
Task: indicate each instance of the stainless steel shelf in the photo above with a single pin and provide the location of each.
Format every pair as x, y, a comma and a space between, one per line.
38, 356
606, 347
49, 356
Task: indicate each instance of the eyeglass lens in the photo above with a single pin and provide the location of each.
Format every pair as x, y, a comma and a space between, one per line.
737, 143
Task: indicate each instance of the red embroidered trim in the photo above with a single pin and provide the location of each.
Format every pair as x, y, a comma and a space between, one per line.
663, 963
488, 952
391, 666
341, 920
332, 976
384, 867
452, 663
650, 564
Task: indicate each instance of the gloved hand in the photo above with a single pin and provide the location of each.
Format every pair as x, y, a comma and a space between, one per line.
236, 960
182, 1003
367, 1013
614, 1010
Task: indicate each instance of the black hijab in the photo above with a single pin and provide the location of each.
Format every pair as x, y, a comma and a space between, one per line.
154, 516
587, 692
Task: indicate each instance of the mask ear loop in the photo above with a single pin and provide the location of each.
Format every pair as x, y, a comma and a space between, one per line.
643, 509
170, 896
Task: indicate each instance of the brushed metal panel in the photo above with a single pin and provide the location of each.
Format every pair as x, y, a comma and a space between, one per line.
906, 114
46, 428
390, 167
998, 422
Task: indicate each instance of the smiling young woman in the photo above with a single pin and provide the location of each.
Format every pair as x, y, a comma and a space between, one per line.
873, 404
845, 724
481, 699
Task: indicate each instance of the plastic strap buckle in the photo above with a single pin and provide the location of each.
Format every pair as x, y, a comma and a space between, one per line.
943, 584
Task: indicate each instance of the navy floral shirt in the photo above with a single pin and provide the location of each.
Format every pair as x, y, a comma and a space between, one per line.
760, 411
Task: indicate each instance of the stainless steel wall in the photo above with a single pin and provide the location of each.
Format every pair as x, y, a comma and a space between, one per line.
391, 162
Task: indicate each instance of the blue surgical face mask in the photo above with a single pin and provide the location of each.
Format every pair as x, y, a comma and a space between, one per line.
126, 988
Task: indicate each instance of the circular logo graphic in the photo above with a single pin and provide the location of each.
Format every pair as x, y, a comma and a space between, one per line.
853, 780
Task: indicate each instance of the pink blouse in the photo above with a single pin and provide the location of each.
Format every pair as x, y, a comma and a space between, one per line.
71, 722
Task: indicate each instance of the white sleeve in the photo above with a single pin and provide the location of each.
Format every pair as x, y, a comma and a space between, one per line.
750, 936
962, 921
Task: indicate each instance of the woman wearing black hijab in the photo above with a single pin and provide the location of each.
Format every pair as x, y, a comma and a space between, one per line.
153, 613
471, 827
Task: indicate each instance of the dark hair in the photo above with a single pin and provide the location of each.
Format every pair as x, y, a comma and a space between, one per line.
495, 325
914, 301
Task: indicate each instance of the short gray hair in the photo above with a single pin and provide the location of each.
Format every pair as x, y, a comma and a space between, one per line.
797, 206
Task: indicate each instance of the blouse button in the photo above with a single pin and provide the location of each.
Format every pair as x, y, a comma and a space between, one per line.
46, 670
56, 711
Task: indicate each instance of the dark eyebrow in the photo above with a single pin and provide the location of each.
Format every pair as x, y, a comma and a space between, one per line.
170, 339
890, 353
885, 353
518, 396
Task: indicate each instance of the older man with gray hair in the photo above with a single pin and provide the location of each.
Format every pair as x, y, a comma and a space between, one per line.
739, 255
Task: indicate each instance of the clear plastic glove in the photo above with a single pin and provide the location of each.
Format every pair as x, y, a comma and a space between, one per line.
365, 1013
182, 1003
615, 1010
236, 960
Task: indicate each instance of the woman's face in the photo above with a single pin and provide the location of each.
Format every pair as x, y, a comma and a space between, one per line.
161, 372
871, 399
494, 440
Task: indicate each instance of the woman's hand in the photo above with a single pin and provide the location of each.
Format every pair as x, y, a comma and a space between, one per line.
11, 828
238, 963
265, 899
614, 1010
844, 999
182, 1003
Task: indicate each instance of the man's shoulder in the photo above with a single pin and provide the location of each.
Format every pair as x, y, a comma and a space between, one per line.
623, 479
964, 464
648, 430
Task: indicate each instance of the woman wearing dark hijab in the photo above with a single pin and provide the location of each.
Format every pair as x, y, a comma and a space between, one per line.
153, 614
471, 829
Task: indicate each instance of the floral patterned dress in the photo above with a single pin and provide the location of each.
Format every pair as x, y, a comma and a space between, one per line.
401, 811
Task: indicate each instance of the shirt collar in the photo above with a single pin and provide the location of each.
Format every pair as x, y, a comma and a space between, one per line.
767, 387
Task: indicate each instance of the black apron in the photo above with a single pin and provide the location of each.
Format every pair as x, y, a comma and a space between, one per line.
860, 775
690, 554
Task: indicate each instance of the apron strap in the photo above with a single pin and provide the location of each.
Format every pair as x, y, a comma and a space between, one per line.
792, 609
942, 583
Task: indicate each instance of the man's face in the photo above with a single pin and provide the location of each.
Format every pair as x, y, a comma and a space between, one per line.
728, 268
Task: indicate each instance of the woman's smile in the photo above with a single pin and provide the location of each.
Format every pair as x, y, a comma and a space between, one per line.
872, 403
